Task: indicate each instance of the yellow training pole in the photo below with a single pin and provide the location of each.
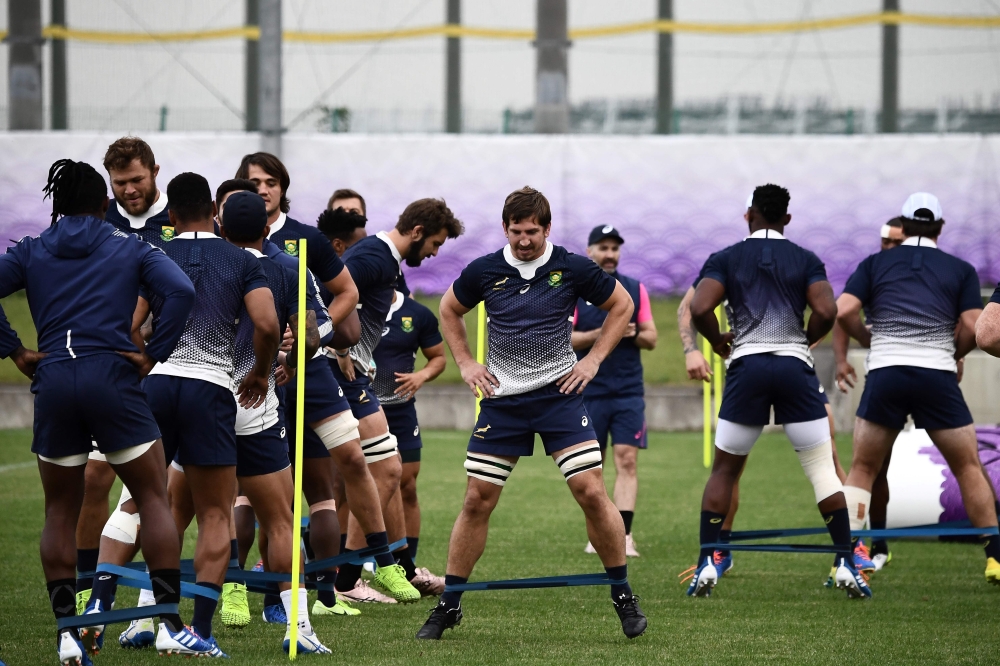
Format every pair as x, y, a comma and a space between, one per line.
717, 370
706, 395
300, 387
480, 343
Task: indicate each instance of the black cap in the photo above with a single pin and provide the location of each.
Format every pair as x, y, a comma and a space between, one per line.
599, 233
245, 214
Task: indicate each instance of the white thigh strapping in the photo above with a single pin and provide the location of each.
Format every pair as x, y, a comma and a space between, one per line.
807, 435
736, 438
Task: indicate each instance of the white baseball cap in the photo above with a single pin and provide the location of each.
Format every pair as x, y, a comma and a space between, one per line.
919, 200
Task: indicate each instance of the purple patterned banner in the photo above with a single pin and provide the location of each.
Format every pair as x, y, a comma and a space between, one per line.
674, 199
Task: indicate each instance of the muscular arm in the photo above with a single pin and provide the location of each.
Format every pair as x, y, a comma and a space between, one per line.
966, 335
474, 374
707, 297
312, 337
266, 338
342, 307
819, 296
849, 318
584, 339
988, 329
696, 364
619, 307
845, 373
646, 337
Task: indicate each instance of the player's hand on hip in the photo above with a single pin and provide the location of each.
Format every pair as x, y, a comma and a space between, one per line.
697, 366
577, 379
346, 364
479, 379
409, 383
27, 360
846, 375
252, 391
142, 361
725, 345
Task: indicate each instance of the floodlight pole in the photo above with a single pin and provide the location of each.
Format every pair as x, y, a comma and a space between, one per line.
269, 73
24, 64
60, 103
252, 75
551, 47
890, 71
453, 72
665, 73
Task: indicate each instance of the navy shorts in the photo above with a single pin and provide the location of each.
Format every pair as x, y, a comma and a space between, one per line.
265, 452
757, 382
324, 398
624, 419
359, 393
507, 425
402, 419
931, 396
92, 398
197, 419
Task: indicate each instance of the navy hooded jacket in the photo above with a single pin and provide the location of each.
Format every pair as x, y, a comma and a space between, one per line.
82, 279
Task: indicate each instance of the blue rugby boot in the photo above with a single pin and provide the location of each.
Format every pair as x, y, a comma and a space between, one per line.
849, 578
703, 578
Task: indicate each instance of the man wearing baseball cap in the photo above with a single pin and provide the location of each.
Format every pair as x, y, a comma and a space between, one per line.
614, 398
922, 305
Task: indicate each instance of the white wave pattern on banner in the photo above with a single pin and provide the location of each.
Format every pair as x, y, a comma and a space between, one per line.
675, 199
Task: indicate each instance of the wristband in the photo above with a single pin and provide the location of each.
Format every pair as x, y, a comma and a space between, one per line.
344, 355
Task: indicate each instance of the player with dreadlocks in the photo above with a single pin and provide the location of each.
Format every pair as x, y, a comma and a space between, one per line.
82, 280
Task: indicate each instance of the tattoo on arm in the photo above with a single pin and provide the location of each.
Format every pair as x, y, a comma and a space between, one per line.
689, 334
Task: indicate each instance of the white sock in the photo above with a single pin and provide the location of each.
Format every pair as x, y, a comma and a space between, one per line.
858, 503
286, 600
146, 598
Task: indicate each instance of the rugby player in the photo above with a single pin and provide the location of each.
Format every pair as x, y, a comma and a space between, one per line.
409, 327
923, 305
533, 383
767, 282
422, 228
82, 278
614, 398
344, 234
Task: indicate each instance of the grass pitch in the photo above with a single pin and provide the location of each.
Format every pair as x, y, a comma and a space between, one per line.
931, 604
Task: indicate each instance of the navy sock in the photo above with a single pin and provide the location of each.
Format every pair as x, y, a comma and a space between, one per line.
879, 545
234, 554
711, 527
328, 577
167, 590
347, 576
104, 589
378, 540
839, 525
992, 547
343, 542
411, 543
627, 517
204, 609
619, 590
271, 600
402, 557
86, 561
62, 597
452, 599
724, 538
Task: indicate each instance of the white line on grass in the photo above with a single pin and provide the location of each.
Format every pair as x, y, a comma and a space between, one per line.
11, 468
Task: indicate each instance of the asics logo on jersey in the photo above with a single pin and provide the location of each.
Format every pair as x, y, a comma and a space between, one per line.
282, 433
364, 398
584, 421
525, 289
481, 432
340, 391
385, 331
416, 431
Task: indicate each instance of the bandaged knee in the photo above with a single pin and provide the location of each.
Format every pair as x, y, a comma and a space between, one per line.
858, 501
325, 505
122, 526
488, 468
579, 460
379, 448
128, 455
337, 431
242, 500
735, 438
817, 463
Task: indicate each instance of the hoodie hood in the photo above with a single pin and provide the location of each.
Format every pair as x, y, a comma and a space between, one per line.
76, 236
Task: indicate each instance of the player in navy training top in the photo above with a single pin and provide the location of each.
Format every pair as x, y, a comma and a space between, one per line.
614, 398
422, 228
767, 281
139, 207
532, 383
922, 305
82, 279
409, 327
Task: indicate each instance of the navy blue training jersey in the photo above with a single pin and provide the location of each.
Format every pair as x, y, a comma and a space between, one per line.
153, 226
409, 326
313, 301
620, 373
284, 285
529, 308
913, 296
374, 264
321, 258
766, 278
83, 278
222, 275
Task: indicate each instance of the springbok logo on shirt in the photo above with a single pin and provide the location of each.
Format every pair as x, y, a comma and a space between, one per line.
498, 285
481, 432
555, 278
292, 247
407, 324
167, 233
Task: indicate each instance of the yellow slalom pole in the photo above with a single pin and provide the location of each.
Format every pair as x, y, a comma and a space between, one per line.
717, 371
706, 395
480, 343
300, 387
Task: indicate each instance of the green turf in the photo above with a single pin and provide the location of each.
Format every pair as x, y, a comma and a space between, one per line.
931, 605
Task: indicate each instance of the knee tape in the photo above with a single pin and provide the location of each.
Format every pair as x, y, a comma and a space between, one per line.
176, 465
325, 505
817, 463
337, 431
736, 438
379, 448
808, 434
125, 496
242, 500
488, 468
128, 455
579, 460
122, 527
858, 501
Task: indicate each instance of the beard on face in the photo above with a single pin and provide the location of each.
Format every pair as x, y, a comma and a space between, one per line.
147, 201
413, 258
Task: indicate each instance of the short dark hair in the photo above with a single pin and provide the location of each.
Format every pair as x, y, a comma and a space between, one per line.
76, 188
433, 215
926, 228
771, 201
895, 222
190, 197
233, 185
346, 193
339, 223
247, 218
122, 152
273, 167
524, 203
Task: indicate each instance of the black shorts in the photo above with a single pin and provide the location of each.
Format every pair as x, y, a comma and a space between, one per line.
932, 397
324, 398
624, 419
757, 382
358, 392
197, 419
264, 452
402, 420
